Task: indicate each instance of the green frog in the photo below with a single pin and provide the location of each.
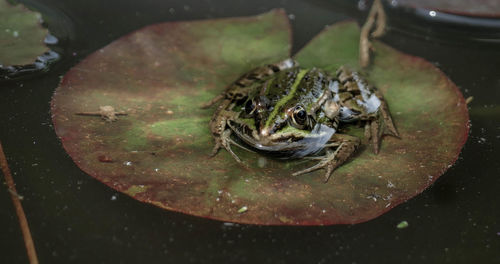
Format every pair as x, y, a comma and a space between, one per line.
292, 113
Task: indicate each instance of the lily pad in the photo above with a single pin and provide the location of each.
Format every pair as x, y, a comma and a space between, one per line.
482, 8
22, 41
159, 152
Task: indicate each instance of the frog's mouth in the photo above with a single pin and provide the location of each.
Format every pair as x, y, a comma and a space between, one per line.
286, 145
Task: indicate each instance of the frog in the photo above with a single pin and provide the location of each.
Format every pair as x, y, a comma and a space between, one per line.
290, 112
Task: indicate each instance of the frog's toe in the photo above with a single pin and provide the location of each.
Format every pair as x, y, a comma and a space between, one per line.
375, 135
376, 129
240, 146
216, 148
226, 143
329, 171
325, 162
228, 148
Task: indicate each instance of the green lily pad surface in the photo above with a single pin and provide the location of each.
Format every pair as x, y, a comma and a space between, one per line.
21, 35
23, 41
159, 152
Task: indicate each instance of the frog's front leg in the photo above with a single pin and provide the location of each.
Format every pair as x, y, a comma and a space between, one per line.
224, 140
220, 130
334, 158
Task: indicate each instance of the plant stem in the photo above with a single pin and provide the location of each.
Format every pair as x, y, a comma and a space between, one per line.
28, 241
376, 19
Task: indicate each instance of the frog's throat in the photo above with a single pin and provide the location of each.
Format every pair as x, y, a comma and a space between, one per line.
290, 146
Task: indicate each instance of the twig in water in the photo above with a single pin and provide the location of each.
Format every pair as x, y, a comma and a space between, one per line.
28, 241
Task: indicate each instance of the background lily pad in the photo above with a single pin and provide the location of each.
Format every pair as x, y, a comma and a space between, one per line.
161, 74
23, 41
22, 36
485, 8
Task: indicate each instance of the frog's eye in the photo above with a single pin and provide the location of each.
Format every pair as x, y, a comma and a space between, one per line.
299, 116
249, 107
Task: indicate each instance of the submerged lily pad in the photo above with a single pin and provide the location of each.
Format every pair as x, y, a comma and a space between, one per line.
159, 152
482, 8
22, 41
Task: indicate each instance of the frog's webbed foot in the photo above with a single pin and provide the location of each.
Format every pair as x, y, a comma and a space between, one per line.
382, 125
332, 159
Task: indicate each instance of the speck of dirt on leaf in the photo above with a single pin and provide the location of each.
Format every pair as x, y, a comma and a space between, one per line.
242, 209
402, 224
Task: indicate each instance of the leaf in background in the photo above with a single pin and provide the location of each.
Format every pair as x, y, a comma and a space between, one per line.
480, 8
22, 41
159, 152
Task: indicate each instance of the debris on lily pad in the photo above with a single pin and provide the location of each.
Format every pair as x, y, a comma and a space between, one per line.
106, 112
242, 209
163, 158
23, 41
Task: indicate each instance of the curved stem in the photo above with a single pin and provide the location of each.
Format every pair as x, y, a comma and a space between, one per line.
375, 21
28, 241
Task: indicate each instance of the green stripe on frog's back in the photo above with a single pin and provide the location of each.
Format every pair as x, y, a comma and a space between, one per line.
310, 89
281, 85
279, 105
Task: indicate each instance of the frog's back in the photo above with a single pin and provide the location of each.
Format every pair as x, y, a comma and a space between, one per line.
295, 86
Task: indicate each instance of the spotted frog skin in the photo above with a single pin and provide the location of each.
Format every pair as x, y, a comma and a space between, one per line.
290, 112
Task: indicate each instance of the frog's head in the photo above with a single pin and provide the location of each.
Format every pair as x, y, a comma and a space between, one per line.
285, 128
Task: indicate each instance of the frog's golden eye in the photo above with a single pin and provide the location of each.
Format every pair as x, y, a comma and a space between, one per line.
249, 107
300, 116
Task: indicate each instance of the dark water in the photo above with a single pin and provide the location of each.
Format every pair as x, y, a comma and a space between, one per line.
76, 219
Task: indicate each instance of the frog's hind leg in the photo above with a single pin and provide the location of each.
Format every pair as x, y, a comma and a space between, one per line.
333, 159
389, 126
212, 101
239, 89
380, 125
220, 131
263, 73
